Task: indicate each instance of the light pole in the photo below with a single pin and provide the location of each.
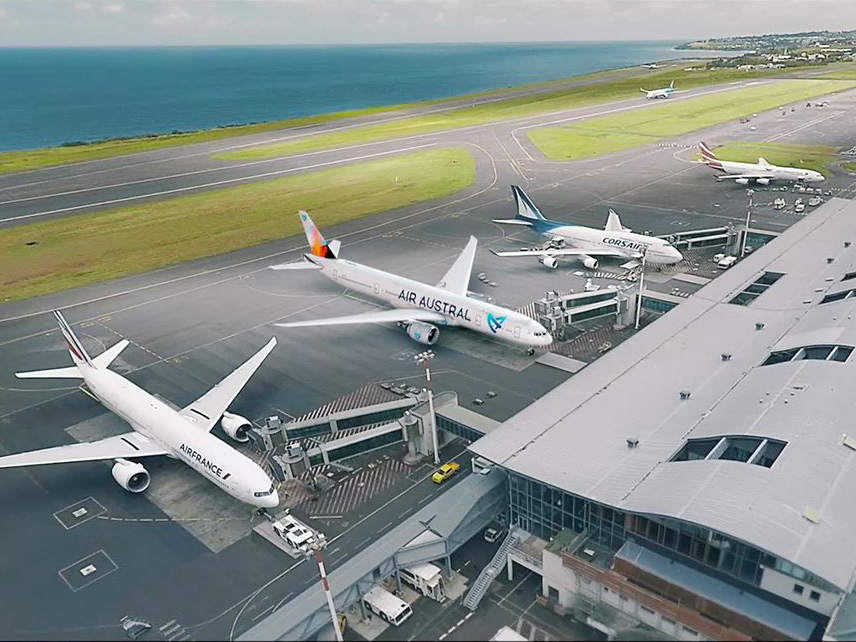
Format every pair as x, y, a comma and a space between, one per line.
749, 193
425, 359
316, 548
641, 288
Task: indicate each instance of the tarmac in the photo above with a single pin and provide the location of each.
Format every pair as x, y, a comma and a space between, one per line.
180, 556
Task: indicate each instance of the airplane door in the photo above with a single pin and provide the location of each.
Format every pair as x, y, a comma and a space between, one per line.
335, 274
517, 332
377, 289
478, 320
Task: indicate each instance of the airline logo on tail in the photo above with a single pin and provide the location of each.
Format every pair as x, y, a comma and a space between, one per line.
709, 158
317, 244
75, 347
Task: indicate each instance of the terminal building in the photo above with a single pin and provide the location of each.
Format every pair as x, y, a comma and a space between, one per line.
699, 480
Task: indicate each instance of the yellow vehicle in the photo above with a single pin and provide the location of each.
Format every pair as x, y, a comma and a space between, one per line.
445, 471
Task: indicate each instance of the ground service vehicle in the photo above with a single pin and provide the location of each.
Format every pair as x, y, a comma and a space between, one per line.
386, 605
425, 578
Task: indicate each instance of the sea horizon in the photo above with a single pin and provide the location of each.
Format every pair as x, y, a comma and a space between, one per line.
62, 95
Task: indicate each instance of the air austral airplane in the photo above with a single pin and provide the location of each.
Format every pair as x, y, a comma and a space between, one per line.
762, 173
158, 429
666, 92
417, 307
586, 244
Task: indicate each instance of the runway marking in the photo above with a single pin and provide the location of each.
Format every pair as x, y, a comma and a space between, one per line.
96, 575
227, 181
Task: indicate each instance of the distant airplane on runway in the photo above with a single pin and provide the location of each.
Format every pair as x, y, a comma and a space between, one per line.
762, 173
586, 243
158, 429
666, 92
416, 306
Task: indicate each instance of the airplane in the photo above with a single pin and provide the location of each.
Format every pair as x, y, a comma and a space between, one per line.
586, 243
666, 92
417, 307
652, 65
158, 429
762, 173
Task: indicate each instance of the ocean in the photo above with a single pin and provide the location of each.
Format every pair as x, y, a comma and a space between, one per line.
53, 96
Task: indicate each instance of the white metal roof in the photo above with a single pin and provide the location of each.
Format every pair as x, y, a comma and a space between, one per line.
574, 438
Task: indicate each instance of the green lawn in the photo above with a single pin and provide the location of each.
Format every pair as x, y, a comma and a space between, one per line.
523, 106
625, 130
815, 157
78, 250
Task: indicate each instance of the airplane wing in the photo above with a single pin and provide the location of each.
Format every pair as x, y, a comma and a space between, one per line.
457, 279
131, 444
207, 410
564, 251
384, 316
297, 265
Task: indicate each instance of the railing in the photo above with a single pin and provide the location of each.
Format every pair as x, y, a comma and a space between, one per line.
489, 572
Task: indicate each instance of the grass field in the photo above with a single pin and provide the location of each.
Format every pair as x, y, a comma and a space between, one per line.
546, 102
815, 157
626, 130
78, 250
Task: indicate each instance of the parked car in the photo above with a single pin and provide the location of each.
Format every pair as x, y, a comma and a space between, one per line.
493, 532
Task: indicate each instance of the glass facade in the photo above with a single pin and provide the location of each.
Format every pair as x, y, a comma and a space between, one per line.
657, 305
456, 428
544, 511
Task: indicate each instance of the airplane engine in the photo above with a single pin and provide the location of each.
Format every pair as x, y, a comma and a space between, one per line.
549, 262
236, 426
423, 333
742, 181
589, 262
131, 476
762, 181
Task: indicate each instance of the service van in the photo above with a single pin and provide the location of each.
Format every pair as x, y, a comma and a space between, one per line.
387, 606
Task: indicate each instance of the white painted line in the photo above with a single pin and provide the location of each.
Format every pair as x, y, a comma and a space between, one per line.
76, 564
443, 637
175, 627
167, 625
461, 621
469, 615
191, 188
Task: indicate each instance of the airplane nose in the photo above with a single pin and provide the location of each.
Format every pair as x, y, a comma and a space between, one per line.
271, 501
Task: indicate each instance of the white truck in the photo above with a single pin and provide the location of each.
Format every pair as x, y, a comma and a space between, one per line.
427, 579
387, 606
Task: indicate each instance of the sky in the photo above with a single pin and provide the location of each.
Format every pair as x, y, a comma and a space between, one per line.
238, 22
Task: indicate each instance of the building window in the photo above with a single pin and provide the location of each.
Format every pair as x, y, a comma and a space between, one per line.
552, 593
817, 353
756, 288
814, 596
798, 589
747, 449
647, 610
838, 296
688, 630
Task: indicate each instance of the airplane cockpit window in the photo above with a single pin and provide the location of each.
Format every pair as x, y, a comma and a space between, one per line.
265, 493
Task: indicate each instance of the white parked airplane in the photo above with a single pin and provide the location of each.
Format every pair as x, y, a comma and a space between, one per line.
762, 173
666, 92
416, 306
158, 429
586, 243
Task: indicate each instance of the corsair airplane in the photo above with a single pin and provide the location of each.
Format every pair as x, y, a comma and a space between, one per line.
417, 307
666, 92
158, 429
762, 173
586, 244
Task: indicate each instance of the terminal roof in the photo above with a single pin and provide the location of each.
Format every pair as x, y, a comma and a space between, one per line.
802, 507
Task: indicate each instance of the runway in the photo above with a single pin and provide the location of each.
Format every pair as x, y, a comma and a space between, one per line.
192, 323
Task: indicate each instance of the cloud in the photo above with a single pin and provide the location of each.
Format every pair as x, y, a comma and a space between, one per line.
114, 8
82, 6
172, 17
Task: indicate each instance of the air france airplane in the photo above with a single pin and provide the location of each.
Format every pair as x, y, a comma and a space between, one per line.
762, 173
158, 429
666, 92
418, 307
587, 244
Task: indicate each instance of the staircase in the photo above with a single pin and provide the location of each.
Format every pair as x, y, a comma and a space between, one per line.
483, 581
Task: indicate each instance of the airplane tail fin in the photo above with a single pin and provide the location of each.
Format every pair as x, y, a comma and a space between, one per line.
763, 162
317, 244
672, 85
613, 223
708, 157
644, 91
76, 350
528, 214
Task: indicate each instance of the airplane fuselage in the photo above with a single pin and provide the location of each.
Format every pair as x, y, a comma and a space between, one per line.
457, 310
212, 458
773, 172
658, 251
